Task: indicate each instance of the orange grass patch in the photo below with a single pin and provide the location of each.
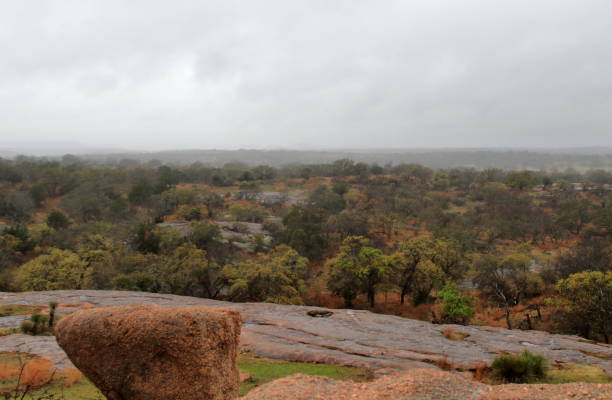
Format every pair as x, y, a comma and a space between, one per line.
8, 372
37, 372
68, 377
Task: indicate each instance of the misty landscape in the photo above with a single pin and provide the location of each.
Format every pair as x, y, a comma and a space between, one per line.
270, 200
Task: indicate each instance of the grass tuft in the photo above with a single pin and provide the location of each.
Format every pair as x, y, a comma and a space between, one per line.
452, 334
568, 373
262, 370
18, 309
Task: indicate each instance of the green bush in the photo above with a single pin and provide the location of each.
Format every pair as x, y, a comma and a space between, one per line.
521, 368
27, 327
456, 309
40, 324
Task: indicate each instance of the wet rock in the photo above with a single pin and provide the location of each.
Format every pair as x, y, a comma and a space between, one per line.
420, 384
349, 337
140, 352
320, 313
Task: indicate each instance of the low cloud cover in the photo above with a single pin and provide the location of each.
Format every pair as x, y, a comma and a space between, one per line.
307, 74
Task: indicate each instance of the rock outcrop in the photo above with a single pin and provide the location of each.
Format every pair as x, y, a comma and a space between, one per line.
347, 337
421, 384
145, 352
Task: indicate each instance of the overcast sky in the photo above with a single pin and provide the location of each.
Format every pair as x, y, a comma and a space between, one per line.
159, 74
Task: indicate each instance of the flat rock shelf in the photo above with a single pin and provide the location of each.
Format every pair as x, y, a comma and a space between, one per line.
346, 337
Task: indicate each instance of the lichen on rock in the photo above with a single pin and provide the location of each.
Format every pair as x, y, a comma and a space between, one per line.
140, 352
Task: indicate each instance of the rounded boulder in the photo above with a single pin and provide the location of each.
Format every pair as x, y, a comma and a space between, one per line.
147, 352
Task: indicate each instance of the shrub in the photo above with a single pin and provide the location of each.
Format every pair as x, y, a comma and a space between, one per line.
39, 324
138, 281
189, 213
524, 367
27, 327
456, 309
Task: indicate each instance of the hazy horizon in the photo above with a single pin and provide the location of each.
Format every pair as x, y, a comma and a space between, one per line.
59, 148
269, 74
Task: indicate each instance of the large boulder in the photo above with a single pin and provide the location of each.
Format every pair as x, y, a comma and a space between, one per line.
147, 352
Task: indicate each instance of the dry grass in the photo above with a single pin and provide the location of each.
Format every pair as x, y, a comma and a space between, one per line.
444, 364
37, 372
481, 371
68, 377
18, 309
8, 372
568, 372
452, 334
603, 356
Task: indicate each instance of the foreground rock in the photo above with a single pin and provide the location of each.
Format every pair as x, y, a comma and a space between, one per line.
144, 352
347, 337
421, 384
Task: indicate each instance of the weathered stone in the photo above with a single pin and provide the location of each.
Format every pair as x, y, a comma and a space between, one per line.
348, 337
140, 352
420, 384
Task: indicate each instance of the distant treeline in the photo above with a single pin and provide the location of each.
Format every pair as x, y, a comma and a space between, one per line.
504, 159
62, 175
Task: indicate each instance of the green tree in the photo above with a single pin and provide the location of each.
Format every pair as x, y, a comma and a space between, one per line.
348, 223
100, 255
9, 257
450, 257
166, 179
357, 269
38, 193
141, 281
59, 269
248, 214
205, 235
188, 272
58, 220
89, 202
586, 303
574, 214
304, 232
140, 193
603, 218
276, 277
327, 201
428, 276
521, 180
146, 239
507, 280
589, 255
264, 172
405, 262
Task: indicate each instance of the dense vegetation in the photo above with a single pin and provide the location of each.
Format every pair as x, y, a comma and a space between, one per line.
525, 249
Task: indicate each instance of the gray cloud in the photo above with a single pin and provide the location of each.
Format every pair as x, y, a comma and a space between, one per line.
345, 73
